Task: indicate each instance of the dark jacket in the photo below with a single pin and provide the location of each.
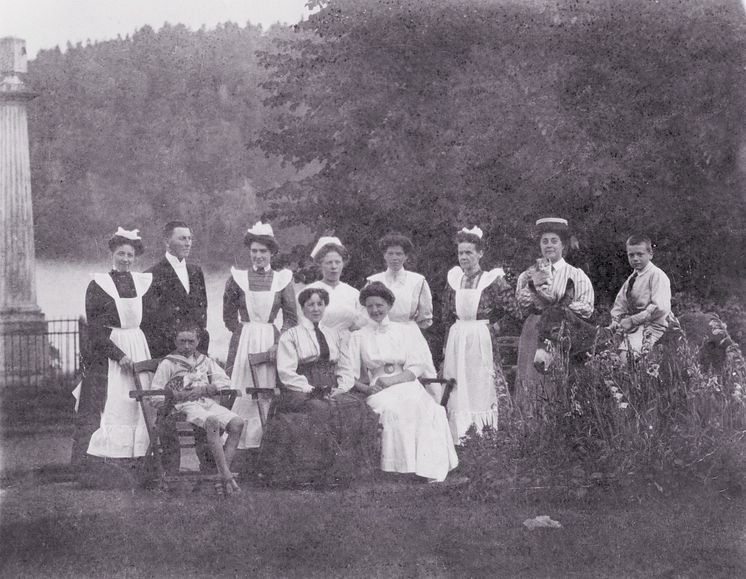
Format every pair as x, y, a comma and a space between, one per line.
168, 304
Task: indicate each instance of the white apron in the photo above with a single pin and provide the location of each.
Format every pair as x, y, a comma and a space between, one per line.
257, 335
469, 359
122, 433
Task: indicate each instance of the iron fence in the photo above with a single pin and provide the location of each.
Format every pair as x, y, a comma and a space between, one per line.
47, 356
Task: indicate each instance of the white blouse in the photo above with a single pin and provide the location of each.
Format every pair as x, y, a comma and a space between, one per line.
414, 300
298, 345
390, 344
344, 311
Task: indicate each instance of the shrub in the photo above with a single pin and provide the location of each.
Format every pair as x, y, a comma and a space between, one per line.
607, 419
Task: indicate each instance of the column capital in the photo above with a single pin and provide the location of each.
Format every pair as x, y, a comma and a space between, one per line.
13, 88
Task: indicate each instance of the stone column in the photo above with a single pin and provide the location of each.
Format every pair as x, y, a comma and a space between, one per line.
19, 313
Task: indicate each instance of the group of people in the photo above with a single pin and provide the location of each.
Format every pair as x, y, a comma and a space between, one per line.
337, 354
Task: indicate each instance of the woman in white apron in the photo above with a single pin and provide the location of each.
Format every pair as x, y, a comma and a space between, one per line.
251, 303
387, 359
473, 303
344, 313
414, 301
114, 306
541, 285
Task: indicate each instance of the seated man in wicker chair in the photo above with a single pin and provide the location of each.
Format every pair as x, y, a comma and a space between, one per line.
192, 378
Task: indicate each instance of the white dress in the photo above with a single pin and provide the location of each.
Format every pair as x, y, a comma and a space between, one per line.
122, 433
344, 311
257, 335
414, 300
469, 359
416, 437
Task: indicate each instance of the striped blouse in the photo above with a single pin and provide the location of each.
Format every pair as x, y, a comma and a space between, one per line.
582, 301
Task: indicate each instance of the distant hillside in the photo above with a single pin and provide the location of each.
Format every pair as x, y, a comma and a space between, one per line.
157, 126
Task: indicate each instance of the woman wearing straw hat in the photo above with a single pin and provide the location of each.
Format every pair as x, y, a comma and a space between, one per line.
251, 302
541, 285
473, 303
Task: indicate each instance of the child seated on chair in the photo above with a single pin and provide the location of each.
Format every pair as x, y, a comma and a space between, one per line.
192, 379
642, 309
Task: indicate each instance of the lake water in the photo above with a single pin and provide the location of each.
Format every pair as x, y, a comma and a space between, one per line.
60, 293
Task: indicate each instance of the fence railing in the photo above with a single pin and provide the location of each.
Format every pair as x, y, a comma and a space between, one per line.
44, 357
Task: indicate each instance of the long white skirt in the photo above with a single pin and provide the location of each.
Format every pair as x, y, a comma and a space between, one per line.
122, 433
255, 338
469, 359
416, 437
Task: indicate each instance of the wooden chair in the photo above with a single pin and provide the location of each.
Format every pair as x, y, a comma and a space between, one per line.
255, 392
450, 384
184, 429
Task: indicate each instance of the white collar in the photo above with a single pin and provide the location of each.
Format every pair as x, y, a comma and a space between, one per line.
264, 269
400, 275
559, 264
340, 284
383, 327
193, 360
308, 324
175, 261
644, 269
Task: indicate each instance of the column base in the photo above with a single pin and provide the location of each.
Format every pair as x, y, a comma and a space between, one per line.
22, 318
25, 358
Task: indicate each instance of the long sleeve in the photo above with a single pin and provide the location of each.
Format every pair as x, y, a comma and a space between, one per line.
218, 377
502, 299
232, 297
152, 313
584, 299
448, 307
660, 299
526, 298
162, 375
101, 316
289, 308
201, 299
287, 365
344, 371
354, 351
424, 315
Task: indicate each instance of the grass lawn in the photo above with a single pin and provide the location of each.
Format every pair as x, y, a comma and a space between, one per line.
394, 528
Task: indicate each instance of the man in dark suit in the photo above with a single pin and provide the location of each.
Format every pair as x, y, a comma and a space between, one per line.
177, 294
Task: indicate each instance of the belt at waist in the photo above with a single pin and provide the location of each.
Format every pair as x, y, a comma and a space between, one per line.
386, 370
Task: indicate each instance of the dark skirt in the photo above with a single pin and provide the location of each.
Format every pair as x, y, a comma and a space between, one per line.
90, 407
532, 389
319, 442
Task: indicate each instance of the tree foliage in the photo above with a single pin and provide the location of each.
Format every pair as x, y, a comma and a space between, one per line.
158, 126
429, 116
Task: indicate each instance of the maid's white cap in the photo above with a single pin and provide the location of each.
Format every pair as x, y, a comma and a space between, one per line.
260, 229
133, 234
322, 242
473, 231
